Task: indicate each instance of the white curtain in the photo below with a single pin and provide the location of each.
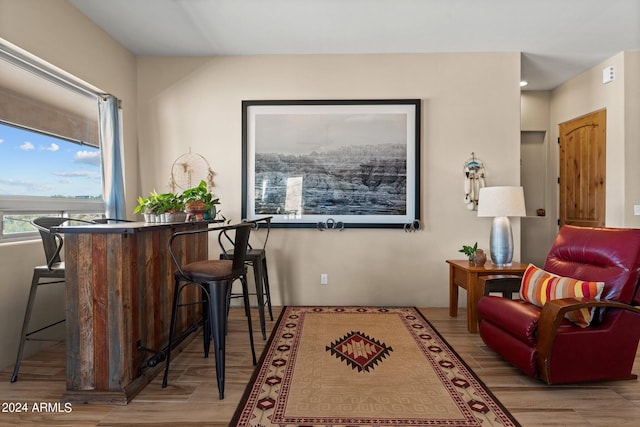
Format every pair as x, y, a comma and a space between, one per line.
110, 117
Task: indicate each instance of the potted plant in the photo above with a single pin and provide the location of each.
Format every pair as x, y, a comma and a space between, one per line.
149, 207
157, 206
171, 207
469, 251
174, 208
199, 201
143, 207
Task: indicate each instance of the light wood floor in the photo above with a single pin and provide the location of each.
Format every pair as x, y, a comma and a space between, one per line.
192, 399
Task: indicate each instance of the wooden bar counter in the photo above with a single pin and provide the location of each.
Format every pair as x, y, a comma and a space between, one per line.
118, 296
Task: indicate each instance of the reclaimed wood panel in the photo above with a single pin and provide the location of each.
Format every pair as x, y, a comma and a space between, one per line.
85, 312
145, 292
71, 309
119, 295
101, 341
116, 314
128, 269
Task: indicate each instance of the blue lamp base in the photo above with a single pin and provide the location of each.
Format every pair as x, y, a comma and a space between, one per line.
501, 242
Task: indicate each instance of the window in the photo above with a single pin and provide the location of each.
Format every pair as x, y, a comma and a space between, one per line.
36, 164
49, 155
45, 175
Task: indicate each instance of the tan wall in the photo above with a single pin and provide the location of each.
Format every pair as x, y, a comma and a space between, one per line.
59, 34
585, 94
538, 232
632, 137
535, 110
195, 103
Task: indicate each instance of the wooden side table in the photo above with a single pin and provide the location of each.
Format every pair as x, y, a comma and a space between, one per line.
466, 276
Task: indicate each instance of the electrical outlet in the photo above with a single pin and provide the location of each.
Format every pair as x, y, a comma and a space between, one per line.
324, 279
636, 209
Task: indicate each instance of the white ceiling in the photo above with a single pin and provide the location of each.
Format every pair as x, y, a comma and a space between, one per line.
558, 38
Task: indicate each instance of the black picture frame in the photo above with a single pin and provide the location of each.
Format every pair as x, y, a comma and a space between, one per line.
350, 162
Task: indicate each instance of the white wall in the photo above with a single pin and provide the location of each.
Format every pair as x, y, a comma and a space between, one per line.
56, 32
471, 103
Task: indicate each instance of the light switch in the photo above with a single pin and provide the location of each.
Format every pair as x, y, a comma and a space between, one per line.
636, 209
607, 75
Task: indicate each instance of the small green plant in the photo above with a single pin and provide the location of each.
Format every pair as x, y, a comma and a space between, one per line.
143, 205
171, 202
159, 203
469, 251
199, 193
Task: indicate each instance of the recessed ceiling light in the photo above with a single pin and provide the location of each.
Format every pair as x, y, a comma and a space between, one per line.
523, 83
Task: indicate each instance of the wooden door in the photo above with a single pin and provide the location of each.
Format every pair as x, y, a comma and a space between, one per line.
582, 170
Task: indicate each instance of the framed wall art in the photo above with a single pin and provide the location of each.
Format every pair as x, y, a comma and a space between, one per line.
353, 162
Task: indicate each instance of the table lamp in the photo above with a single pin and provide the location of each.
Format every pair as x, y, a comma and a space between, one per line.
501, 203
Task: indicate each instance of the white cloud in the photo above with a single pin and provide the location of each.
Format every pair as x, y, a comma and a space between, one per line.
53, 147
22, 187
88, 157
27, 146
1, 140
81, 174
16, 182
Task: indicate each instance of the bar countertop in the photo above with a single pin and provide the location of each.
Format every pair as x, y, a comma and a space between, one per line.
121, 227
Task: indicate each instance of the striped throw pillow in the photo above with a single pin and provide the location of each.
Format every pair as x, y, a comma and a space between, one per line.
539, 286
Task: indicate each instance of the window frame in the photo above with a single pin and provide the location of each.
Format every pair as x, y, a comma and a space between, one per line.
43, 205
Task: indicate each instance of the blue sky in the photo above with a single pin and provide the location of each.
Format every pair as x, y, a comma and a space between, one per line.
33, 164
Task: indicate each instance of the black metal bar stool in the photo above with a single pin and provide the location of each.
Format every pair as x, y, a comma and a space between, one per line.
214, 277
52, 272
257, 258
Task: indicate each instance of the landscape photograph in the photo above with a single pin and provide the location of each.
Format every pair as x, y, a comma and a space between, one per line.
332, 163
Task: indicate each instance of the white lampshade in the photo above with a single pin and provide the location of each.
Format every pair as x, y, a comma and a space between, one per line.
501, 201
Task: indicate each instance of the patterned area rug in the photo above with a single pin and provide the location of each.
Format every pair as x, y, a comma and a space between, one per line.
364, 366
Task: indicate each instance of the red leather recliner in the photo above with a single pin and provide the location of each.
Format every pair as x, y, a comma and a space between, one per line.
544, 345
